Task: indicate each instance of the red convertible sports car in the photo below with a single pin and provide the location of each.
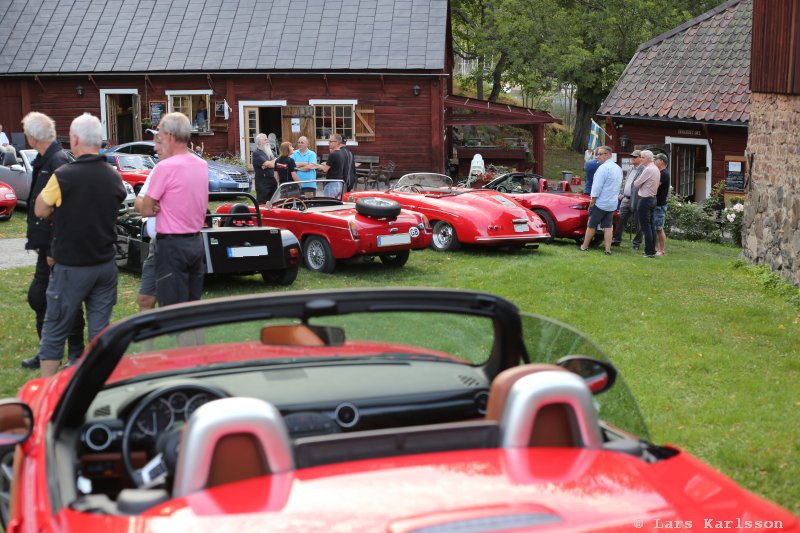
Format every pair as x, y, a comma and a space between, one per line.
463, 216
395, 410
330, 230
8, 201
134, 168
566, 214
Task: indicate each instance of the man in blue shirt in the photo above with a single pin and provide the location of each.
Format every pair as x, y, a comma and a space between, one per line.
589, 170
306, 161
605, 193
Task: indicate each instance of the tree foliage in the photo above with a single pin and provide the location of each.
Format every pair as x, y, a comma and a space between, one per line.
585, 43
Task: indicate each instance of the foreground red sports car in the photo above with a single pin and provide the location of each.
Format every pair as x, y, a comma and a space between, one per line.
398, 410
330, 230
566, 214
463, 216
8, 201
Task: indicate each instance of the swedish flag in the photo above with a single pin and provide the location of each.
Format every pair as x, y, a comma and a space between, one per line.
594, 135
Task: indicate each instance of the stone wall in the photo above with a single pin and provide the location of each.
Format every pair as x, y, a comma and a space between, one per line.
771, 232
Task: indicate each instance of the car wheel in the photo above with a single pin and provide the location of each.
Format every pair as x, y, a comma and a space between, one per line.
317, 255
396, 259
6, 474
444, 237
377, 207
279, 277
8, 216
548, 220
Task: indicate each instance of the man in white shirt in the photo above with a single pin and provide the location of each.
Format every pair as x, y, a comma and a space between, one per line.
605, 194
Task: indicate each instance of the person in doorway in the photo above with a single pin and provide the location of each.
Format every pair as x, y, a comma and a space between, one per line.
40, 134
605, 191
83, 199
263, 164
201, 117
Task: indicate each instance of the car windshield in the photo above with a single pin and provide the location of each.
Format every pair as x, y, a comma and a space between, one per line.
311, 189
136, 162
424, 180
517, 183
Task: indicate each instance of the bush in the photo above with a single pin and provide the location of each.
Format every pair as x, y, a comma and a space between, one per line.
557, 136
689, 221
731, 220
716, 202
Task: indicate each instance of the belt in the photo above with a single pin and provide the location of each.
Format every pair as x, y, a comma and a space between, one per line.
176, 235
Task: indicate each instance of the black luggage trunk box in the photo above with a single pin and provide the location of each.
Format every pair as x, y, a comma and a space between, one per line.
230, 250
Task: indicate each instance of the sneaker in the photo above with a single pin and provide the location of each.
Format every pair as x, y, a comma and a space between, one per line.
661, 253
616, 243
648, 256
582, 249
608, 252
31, 363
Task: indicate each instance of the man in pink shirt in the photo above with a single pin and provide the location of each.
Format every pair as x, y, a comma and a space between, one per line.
648, 182
178, 194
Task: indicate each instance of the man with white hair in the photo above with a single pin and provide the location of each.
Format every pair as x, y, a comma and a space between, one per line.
648, 182
40, 134
263, 165
83, 199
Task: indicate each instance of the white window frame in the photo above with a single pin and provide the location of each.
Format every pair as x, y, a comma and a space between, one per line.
354, 103
698, 142
103, 111
192, 92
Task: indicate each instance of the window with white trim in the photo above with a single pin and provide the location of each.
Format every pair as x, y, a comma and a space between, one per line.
334, 116
194, 104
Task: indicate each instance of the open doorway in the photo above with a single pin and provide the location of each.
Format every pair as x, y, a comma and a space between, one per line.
121, 115
690, 168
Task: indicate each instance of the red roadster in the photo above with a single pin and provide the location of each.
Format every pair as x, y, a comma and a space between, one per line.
8, 201
134, 168
394, 410
330, 230
463, 216
565, 213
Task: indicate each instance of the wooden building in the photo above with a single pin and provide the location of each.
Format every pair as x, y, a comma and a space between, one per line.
771, 228
376, 71
686, 93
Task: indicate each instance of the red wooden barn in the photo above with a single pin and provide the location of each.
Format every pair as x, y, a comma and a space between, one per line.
686, 93
376, 71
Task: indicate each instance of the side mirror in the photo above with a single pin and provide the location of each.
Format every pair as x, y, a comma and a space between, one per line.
17, 167
599, 375
16, 422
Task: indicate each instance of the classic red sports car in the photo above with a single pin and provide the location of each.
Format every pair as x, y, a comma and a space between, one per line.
8, 201
566, 214
331, 230
463, 216
397, 410
134, 168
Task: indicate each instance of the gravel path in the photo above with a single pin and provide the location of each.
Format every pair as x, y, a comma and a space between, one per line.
13, 254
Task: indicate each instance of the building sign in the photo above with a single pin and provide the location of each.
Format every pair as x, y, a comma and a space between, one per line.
691, 133
734, 174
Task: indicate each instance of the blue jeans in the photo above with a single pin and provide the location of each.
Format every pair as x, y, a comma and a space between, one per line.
646, 207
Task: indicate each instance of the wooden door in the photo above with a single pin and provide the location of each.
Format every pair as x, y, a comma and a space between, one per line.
305, 115
136, 112
683, 175
111, 119
251, 129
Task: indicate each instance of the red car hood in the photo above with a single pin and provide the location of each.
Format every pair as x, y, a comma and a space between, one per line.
544, 489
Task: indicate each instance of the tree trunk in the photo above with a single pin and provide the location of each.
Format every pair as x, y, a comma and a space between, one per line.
479, 88
497, 76
584, 111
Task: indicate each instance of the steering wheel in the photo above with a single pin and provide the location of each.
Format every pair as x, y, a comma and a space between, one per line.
409, 188
502, 188
295, 202
162, 445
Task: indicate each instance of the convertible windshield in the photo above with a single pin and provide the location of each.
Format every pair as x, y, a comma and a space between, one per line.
312, 189
136, 162
424, 180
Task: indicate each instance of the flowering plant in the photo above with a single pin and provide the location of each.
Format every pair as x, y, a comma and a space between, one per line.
731, 220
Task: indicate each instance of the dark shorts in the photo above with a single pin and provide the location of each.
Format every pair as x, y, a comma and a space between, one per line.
597, 216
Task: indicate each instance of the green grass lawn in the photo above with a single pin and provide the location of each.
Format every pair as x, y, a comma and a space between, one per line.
710, 355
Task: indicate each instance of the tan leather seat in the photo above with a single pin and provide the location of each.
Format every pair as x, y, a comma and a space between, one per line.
230, 440
543, 405
290, 335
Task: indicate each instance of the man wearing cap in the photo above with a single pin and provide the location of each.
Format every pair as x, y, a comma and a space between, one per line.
628, 203
660, 213
648, 183
178, 194
605, 189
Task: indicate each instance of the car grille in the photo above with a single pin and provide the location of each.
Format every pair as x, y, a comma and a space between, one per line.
239, 177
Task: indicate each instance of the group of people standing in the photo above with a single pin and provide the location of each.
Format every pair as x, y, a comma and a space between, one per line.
299, 165
72, 213
643, 196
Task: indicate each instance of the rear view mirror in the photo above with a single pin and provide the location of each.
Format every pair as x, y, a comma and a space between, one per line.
598, 375
16, 422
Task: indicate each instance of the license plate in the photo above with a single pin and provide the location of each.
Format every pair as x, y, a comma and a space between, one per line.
244, 185
247, 251
394, 240
521, 228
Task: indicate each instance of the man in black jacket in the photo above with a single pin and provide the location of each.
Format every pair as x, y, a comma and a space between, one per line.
82, 198
40, 133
